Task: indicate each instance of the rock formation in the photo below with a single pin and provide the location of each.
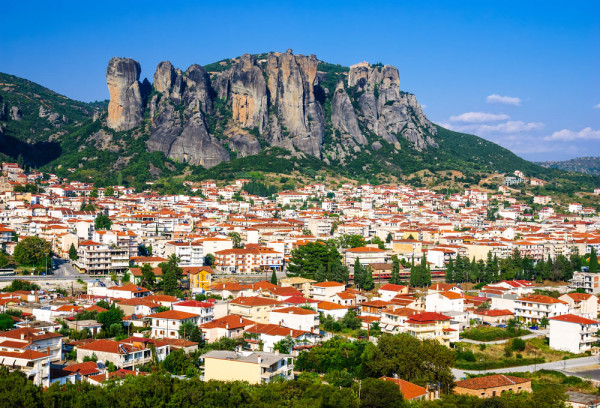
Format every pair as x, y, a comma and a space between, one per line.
15, 113
246, 105
126, 107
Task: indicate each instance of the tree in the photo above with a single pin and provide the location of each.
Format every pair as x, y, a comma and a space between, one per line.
544, 322
359, 274
236, 238
32, 251
209, 260
388, 239
190, 331
6, 322
284, 345
73, 253
351, 241
368, 283
109, 191
307, 259
4, 259
112, 316
450, 271
378, 241
518, 344
395, 275
171, 274
274, 277
94, 193
102, 222
376, 393
148, 276
593, 261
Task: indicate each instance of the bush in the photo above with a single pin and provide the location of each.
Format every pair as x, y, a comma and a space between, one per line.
466, 355
486, 333
518, 344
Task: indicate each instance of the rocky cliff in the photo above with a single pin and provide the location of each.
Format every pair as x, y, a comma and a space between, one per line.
244, 105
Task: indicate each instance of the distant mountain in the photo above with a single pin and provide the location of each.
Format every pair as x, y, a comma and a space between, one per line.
587, 165
274, 113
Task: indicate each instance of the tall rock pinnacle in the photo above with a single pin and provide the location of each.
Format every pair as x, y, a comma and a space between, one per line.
126, 107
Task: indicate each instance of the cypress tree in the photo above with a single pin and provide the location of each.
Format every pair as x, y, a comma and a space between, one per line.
593, 261
395, 275
274, 277
359, 274
450, 271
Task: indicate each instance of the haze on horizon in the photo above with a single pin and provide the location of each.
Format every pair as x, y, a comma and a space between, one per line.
521, 74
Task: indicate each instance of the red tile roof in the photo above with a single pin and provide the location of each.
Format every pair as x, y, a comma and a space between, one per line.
173, 315
491, 381
571, 318
409, 390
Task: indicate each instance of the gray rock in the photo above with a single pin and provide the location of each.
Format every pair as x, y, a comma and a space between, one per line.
15, 113
343, 117
126, 107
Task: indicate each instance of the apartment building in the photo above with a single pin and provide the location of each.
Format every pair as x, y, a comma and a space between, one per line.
254, 367
572, 333
590, 282
365, 255
431, 326
533, 308
581, 304
190, 253
253, 308
99, 259
166, 324
295, 318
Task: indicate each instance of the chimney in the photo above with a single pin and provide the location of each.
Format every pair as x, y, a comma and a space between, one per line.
227, 326
241, 320
22, 336
106, 372
259, 359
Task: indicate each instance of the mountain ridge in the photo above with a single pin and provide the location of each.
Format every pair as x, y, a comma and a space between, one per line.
586, 165
297, 111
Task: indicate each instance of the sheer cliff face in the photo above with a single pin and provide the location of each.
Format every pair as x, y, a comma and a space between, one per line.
126, 108
205, 119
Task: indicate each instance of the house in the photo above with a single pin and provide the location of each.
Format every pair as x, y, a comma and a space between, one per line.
230, 327
572, 333
332, 309
304, 285
254, 367
34, 364
270, 334
253, 308
200, 278
374, 308
95, 258
582, 304
413, 392
444, 287
344, 298
123, 354
494, 317
295, 318
29, 338
388, 291
432, 326
138, 307
365, 255
394, 321
231, 290
166, 324
492, 385
534, 308
203, 309
444, 302
326, 290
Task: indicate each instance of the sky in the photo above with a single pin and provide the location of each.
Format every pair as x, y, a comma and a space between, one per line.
524, 74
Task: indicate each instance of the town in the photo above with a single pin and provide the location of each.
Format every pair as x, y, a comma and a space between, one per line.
233, 282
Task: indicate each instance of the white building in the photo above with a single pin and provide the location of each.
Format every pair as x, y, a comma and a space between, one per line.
295, 318
167, 324
572, 333
533, 308
203, 309
326, 290
444, 302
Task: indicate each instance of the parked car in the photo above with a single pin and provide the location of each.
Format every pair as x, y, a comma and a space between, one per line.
486, 324
533, 327
502, 326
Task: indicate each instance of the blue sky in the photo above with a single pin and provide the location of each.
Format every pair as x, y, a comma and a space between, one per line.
524, 74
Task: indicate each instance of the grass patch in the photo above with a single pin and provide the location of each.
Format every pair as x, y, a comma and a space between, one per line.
487, 333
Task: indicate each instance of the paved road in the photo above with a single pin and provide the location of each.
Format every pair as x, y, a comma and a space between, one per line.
536, 333
561, 365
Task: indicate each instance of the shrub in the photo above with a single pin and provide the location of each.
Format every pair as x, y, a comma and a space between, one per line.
518, 344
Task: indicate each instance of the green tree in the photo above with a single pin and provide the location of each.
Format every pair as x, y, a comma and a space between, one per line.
593, 261
209, 260
544, 322
518, 344
368, 283
172, 273
450, 271
376, 393
389, 238
395, 275
102, 222
351, 241
73, 253
190, 331
6, 322
359, 274
306, 260
274, 277
112, 316
94, 193
32, 251
148, 276
109, 191
236, 238
284, 345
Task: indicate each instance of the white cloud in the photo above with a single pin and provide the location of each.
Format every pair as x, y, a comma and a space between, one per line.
506, 100
512, 126
423, 106
477, 117
567, 135
597, 106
